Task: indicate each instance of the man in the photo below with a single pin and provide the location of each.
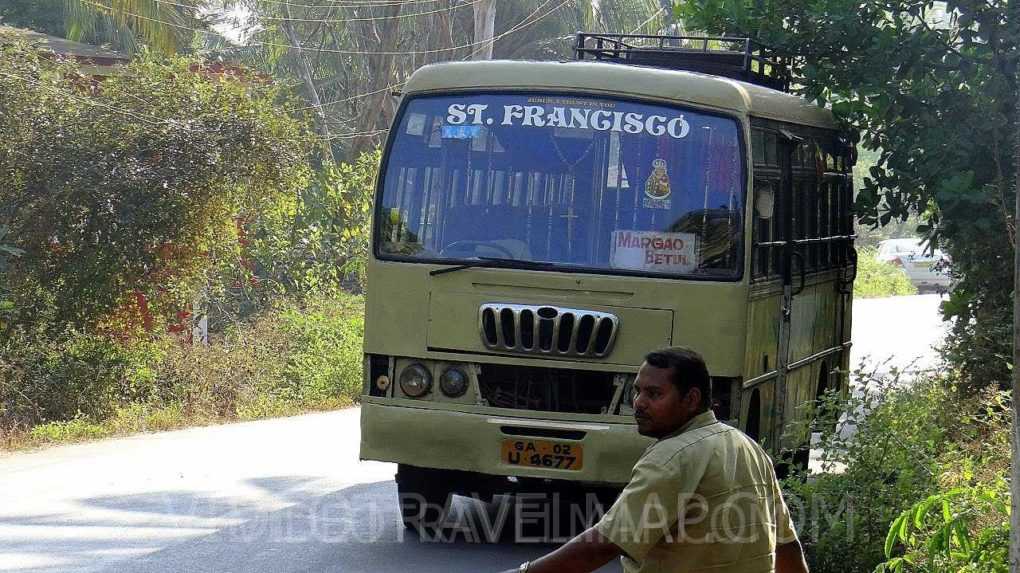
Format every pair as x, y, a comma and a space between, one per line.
703, 498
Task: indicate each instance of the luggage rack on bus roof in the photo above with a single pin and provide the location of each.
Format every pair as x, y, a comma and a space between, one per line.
737, 58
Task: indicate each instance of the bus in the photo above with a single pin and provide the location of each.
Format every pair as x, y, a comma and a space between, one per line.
540, 226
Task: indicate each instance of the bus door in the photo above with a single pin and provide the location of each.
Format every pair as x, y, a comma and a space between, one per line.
813, 236
792, 260
777, 319
770, 287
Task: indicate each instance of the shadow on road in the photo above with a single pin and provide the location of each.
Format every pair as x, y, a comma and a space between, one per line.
355, 529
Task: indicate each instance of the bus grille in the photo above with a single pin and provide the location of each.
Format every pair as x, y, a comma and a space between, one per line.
548, 330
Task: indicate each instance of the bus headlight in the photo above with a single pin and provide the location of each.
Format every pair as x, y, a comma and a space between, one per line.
415, 381
453, 382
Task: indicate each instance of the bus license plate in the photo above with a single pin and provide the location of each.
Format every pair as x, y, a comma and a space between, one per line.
543, 454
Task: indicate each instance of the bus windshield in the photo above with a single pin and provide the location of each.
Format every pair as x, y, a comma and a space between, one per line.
600, 184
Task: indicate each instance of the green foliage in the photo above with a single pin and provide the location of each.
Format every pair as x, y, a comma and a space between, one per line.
877, 279
933, 89
316, 242
287, 359
870, 476
916, 436
304, 246
6, 252
872, 235
130, 25
108, 22
284, 358
70, 375
964, 526
132, 188
45, 16
938, 533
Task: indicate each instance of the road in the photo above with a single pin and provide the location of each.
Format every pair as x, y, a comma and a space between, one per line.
897, 332
281, 496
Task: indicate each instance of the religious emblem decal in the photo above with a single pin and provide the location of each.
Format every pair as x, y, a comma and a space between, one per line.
657, 188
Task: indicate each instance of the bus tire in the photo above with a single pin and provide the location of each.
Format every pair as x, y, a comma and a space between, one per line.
423, 498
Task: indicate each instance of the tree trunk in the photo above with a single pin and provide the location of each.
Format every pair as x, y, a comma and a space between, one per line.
485, 28
1014, 522
376, 110
309, 81
442, 28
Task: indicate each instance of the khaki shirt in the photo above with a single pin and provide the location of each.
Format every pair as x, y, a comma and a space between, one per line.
704, 498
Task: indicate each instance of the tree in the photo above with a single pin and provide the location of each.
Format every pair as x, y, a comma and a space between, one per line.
41, 16
349, 58
123, 24
129, 189
932, 87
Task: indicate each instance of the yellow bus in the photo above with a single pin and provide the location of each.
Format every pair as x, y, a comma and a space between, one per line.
541, 226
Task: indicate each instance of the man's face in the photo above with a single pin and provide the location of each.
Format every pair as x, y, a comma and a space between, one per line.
659, 408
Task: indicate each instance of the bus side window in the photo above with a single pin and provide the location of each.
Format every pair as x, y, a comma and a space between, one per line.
767, 229
758, 145
825, 227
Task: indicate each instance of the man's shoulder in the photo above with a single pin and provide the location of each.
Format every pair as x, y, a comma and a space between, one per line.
691, 443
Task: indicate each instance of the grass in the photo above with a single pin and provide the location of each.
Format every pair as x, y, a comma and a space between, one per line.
877, 279
142, 419
289, 360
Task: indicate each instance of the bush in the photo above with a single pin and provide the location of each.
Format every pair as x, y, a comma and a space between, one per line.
877, 279
914, 439
965, 525
287, 359
71, 376
303, 246
870, 476
127, 190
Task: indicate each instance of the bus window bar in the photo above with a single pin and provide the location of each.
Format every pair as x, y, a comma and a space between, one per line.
796, 364
819, 240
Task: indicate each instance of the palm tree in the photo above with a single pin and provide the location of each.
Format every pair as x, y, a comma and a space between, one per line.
167, 27
347, 58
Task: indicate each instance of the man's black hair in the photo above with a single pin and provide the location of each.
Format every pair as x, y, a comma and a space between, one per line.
689, 371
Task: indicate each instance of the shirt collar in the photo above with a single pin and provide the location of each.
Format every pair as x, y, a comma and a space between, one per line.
701, 420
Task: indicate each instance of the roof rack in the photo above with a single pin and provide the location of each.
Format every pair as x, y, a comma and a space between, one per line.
737, 58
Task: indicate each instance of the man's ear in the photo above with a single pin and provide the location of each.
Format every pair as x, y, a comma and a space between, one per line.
693, 397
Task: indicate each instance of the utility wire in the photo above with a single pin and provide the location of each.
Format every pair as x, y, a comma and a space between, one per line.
520, 26
323, 50
530, 20
92, 101
373, 18
351, 3
650, 18
344, 20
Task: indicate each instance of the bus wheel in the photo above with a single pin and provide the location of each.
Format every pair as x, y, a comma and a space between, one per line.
424, 500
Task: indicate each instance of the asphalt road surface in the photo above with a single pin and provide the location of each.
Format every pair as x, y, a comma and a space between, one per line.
286, 495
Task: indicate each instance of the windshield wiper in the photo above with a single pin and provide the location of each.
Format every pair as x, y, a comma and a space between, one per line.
496, 262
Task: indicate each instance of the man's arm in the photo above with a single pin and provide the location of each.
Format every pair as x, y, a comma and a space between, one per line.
790, 558
586, 552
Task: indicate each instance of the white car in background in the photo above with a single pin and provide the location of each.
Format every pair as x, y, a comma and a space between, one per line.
927, 271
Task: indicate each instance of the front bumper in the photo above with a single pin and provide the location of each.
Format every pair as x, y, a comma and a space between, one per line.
471, 442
